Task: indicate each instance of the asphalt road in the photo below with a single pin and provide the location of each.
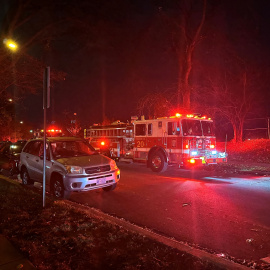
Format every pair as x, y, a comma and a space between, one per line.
224, 214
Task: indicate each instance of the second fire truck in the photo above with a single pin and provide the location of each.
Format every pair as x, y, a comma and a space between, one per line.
183, 140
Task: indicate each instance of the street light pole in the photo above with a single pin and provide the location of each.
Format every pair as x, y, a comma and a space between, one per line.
13, 46
46, 104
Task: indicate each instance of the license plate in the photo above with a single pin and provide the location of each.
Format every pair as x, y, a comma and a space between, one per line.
101, 181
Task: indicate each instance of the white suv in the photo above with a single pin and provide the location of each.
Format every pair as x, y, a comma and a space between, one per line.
71, 165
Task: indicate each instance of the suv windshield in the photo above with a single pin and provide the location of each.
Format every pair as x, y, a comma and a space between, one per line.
66, 149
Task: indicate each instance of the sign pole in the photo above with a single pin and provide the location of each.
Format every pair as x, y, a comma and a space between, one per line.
46, 104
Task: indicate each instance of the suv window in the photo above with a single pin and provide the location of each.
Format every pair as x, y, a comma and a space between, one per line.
42, 150
27, 146
33, 148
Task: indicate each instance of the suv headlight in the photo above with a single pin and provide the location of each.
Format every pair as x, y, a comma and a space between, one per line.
113, 165
74, 169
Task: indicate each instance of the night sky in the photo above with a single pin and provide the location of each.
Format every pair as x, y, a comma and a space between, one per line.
125, 47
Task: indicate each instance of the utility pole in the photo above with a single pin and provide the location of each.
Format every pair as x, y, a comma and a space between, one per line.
46, 104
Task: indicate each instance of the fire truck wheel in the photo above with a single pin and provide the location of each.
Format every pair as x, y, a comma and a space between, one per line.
158, 162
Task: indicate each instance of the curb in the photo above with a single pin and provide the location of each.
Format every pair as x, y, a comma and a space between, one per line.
201, 254
11, 258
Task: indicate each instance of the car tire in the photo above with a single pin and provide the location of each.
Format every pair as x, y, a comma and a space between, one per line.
58, 188
26, 180
110, 188
158, 162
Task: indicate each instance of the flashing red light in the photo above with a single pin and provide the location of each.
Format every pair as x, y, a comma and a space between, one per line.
102, 143
212, 146
187, 146
178, 115
192, 160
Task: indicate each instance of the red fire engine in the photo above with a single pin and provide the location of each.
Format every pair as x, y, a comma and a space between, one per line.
180, 139
50, 132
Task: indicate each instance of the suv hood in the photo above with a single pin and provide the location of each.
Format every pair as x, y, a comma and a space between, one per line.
85, 161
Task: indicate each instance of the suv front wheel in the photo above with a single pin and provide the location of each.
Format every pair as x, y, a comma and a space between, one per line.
58, 189
26, 178
110, 188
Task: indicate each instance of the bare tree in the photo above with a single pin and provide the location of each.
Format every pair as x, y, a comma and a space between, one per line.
21, 73
155, 105
232, 96
186, 33
72, 123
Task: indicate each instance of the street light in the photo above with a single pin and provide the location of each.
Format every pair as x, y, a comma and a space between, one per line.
11, 44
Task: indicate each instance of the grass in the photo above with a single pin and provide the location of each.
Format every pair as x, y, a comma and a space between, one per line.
250, 155
64, 237
248, 151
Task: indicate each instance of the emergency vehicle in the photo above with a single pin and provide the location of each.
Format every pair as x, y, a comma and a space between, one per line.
50, 132
183, 140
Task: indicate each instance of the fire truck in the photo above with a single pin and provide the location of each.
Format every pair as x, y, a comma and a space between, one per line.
50, 132
184, 140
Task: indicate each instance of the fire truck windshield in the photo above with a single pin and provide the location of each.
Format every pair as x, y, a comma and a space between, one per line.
191, 127
195, 127
208, 128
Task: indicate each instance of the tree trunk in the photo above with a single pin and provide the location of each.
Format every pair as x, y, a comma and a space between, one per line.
185, 55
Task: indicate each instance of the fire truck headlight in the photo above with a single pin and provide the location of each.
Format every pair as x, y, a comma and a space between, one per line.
194, 153
222, 155
113, 165
74, 169
214, 152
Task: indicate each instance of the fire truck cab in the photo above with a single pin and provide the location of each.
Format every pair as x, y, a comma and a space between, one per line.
184, 140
